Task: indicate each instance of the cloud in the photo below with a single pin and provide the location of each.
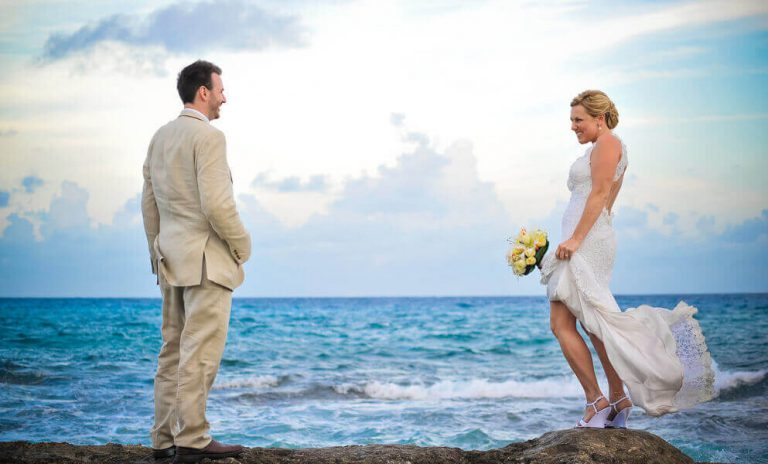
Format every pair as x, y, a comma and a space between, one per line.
706, 224
676, 16
71, 258
671, 218
316, 183
184, 27
129, 216
408, 187
68, 212
750, 231
30, 183
426, 225
19, 231
8, 133
649, 261
396, 119
4, 198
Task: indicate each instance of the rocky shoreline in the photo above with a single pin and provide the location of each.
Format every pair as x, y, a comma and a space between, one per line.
562, 446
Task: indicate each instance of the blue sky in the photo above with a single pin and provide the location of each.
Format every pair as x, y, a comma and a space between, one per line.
385, 147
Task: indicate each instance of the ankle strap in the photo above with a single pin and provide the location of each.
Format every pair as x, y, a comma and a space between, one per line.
601, 397
613, 405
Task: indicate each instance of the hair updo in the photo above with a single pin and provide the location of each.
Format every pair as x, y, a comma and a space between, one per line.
597, 103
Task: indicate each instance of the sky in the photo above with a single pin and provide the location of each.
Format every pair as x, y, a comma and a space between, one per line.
387, 148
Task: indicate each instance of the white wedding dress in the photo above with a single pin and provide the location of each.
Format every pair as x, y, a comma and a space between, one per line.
660, 354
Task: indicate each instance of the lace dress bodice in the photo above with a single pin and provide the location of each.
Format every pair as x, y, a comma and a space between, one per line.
580, 185
580, 174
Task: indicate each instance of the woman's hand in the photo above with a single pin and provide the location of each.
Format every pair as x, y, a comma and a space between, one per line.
566, 249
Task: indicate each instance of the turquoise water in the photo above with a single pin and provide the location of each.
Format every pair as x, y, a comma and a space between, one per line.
474, 373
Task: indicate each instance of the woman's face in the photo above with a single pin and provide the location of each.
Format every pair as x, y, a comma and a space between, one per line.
584, 125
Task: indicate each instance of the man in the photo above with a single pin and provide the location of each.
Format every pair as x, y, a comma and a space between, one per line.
197, 244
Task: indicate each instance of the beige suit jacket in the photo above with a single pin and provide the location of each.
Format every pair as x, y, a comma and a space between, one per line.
189, 207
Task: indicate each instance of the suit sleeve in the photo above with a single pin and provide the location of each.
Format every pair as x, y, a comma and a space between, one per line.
149, 210
217, 199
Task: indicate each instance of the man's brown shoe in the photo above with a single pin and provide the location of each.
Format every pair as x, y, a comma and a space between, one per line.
214, 450
164, 453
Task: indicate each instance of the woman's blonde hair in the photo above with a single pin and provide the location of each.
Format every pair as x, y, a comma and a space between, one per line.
597, 103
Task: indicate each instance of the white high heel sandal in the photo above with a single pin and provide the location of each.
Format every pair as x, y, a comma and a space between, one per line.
619, 421
599, 419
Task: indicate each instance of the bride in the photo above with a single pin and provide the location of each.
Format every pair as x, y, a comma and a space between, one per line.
659, 354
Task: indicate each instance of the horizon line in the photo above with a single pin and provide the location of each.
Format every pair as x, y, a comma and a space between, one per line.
372, 297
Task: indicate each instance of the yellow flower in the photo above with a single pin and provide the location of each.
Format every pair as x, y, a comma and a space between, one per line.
519, 266
530, 252
526, 239
539, 238
530, 260
518, 249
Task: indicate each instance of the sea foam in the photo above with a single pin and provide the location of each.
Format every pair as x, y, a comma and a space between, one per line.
261, 381
726, 380
469, 389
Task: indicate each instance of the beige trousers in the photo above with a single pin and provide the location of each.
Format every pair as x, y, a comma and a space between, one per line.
195, 323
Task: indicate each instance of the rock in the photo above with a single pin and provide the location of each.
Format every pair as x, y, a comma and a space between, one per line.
563, 446
589, 446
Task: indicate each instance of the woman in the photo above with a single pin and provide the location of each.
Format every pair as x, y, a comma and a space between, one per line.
659, 354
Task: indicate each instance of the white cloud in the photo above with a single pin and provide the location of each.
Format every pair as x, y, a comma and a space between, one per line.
184, 27
403, 232
316, 183
67, 211
498, 74
683, 15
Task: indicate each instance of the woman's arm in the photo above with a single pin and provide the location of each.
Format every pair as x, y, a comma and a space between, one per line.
604, 159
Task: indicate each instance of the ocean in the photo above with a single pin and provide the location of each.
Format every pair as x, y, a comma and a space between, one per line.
468, 372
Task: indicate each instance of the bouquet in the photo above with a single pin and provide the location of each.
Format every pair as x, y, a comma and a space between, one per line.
526, 251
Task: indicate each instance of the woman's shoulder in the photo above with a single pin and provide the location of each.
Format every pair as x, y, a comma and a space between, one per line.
607, 149
610, 142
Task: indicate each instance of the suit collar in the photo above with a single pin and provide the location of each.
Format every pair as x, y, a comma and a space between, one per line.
193, 114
